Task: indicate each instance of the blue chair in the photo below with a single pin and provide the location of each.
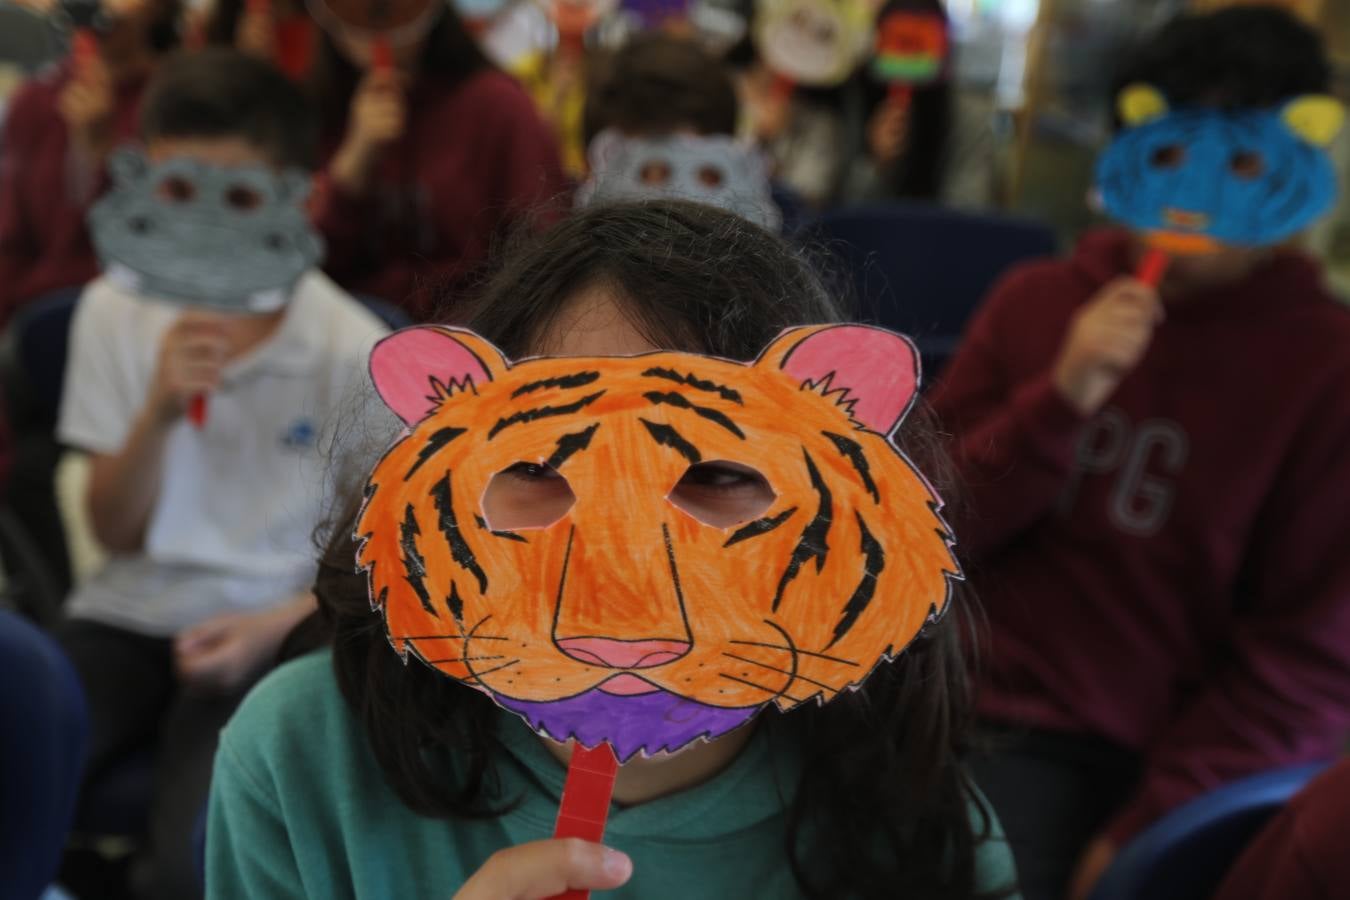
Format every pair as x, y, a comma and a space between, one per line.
923, 270
1185, 855
44, 727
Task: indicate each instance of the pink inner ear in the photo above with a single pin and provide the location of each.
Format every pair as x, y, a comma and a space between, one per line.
879, 368
404, 365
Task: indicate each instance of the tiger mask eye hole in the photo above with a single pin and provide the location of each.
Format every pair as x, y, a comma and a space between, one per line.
1246, 164
526, 495
722, 493
654, 172
1169, 156
710, 176
177, 189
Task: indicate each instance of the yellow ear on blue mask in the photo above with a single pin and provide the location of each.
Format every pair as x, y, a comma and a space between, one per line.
1140, 103
1316, 118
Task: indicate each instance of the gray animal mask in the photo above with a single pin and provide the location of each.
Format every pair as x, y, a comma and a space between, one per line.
716, 170
234, 239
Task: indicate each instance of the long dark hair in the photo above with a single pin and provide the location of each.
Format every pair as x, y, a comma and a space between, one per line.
884, 807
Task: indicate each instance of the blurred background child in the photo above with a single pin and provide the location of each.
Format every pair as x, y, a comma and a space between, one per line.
1156, 483
427, 159
209, 532
57, 132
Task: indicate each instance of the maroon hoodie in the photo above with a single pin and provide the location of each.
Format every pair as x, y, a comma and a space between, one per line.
1173, 575
475, 158
44, 195
1301, 854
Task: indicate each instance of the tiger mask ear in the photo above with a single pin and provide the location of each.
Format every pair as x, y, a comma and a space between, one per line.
416, 369
878, 369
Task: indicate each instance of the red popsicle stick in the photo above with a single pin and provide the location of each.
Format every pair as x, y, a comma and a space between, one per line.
196, 411
381, 55
585, 800
900, 94
1153, 266
83, 48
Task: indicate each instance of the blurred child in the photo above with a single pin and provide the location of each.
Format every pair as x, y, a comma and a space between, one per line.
58, 129
428, 159
1158, 491
354, 773
935, 146
660, 121
209, 531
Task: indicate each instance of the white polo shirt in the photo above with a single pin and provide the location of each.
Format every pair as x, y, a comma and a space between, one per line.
239, 501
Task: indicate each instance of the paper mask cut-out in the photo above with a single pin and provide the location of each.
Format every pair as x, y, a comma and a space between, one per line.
815, 43
911, 47
628, 619
713, 169
232, 238
1205, 177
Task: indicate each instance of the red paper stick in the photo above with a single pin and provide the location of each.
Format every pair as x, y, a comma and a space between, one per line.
1153, 266
900, 94
585, 800
382, 55
83, 48
783, 86
196, 411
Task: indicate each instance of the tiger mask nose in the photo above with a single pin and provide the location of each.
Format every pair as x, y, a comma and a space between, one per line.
617, 654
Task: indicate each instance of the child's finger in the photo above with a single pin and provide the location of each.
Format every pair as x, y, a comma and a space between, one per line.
543, 869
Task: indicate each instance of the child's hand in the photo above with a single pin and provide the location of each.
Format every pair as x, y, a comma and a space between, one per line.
378, 118
86, 104
191, 356
544, 869
887, 132
221, 655
257, 32
1107, 338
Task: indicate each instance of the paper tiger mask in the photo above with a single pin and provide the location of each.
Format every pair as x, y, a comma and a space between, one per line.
630, 619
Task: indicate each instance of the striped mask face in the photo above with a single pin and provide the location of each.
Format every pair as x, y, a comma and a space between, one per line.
648, 550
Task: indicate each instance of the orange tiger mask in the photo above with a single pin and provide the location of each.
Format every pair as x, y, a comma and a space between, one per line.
631, 617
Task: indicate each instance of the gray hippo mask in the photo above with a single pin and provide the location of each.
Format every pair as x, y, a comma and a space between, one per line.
235, 239
713, 169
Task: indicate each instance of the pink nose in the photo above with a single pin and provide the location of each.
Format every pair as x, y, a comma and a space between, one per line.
615, 654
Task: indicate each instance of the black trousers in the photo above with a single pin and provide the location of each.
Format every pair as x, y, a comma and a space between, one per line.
135, 701
1053, 792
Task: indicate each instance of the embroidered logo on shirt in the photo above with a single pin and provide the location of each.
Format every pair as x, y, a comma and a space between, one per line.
300, 436
1144, 459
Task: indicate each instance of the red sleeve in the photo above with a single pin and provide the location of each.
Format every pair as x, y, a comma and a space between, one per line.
1280, 693
340, 217
529, 168
1013, 443
17, 247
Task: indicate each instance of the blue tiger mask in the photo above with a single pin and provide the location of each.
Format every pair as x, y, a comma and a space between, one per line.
1245, 178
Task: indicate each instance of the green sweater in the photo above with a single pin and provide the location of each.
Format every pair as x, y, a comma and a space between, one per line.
300, 808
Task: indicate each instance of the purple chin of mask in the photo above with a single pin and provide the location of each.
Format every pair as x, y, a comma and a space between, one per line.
651, 723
